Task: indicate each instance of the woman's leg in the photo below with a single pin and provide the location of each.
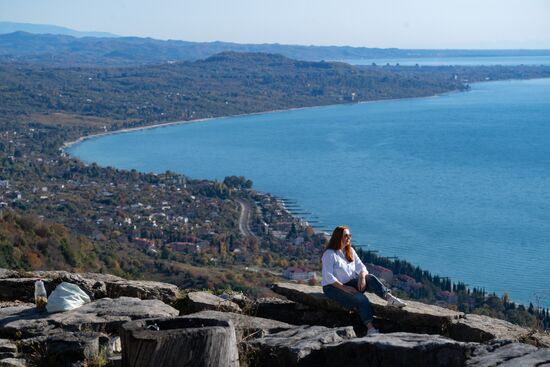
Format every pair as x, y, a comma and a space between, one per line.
357, 301
375, 286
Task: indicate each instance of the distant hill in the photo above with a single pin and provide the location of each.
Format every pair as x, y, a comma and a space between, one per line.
10, 27
64, 50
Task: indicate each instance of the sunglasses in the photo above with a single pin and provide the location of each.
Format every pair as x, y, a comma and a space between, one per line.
347, 235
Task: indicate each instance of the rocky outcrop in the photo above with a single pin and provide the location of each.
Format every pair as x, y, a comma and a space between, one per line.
417, 317
304, 329
20, 286
105, 314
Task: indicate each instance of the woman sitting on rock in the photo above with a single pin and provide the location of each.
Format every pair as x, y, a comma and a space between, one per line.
345, 278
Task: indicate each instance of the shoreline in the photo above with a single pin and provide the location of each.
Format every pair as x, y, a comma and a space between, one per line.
69, 144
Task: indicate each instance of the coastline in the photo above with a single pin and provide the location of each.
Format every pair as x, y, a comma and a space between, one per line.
69, 144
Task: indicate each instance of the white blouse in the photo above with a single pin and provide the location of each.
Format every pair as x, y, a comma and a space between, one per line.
337, 268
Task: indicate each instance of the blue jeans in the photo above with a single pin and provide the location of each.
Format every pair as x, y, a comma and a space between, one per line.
359, 300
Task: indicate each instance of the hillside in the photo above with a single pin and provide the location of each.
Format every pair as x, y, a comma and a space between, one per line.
225, 84
64, 50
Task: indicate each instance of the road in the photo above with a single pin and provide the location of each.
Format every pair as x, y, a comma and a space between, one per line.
244, 219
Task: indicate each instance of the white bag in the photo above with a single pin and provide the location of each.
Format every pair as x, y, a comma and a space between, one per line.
65, 297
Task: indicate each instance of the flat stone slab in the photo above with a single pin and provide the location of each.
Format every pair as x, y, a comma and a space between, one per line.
201, 301
504, 353
319, 346
416, 316
105, 314
480, 328
245, 326
20, 286
292, 347
396, 349
498, 352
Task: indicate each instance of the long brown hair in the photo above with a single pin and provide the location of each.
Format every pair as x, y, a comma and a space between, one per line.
336, 240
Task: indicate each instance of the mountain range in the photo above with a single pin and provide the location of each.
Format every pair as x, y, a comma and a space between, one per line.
65, 47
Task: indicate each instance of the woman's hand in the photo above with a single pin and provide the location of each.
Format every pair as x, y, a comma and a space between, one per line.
362, 282
350, 290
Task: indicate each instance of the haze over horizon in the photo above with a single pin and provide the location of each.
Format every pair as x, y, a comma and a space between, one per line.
424, 24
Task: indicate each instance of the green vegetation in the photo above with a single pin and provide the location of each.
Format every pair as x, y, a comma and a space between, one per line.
224, 84
62, 50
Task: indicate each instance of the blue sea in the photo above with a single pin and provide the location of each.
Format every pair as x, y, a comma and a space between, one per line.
458, 184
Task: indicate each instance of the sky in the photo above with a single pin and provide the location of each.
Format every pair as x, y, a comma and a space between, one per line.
470, 24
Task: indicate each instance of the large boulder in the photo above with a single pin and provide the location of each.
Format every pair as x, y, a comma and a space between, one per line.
102, 315
294, 347
200, 301
245, 326
415, 317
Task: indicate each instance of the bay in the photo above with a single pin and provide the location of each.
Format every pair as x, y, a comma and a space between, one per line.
458, 184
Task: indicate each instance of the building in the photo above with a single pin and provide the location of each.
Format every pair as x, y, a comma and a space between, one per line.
296, 273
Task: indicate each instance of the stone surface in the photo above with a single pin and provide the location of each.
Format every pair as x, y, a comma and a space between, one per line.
415, 317
180, 341
299, 314
317, 346
395, 349
102, 315
200, 301
7, 349
62, 348
20, 286
479, 328
21, 289
540, 358
293, 347
12, 362
245, 326
498, 352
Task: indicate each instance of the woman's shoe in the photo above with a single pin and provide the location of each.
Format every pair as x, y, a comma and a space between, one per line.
372, 331
393, 301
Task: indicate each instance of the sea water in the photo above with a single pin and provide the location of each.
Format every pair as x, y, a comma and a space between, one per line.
458, 184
